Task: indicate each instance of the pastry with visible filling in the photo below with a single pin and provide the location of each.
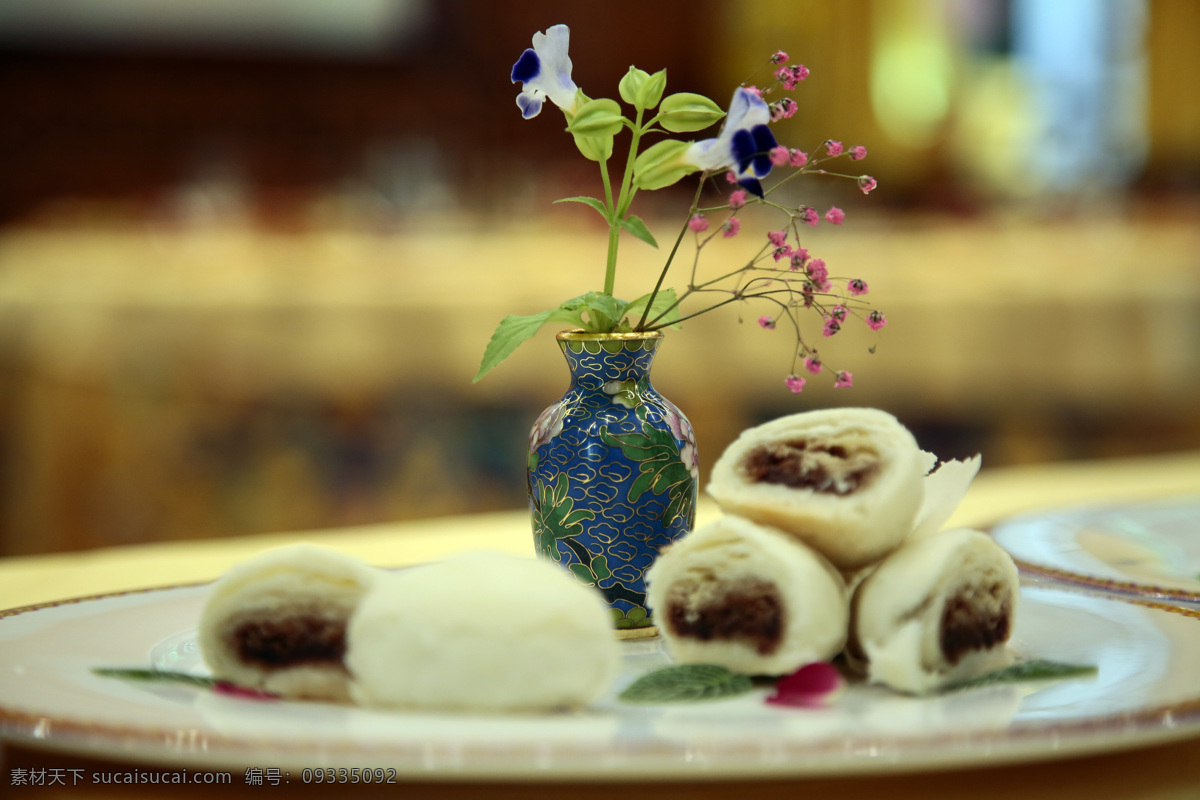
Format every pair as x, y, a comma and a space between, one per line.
278, 621
938, 610
482, 632
749, 598
847, 482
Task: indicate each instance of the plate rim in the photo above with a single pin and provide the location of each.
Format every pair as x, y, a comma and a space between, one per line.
1015, 743
1134, 589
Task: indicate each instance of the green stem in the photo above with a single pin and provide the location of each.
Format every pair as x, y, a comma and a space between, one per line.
667, 266
624, 199
610, 269
614, 230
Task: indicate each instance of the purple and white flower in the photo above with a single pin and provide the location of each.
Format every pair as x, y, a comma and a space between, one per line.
744, 144
544, 70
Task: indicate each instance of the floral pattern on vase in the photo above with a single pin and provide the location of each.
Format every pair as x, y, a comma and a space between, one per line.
612, 471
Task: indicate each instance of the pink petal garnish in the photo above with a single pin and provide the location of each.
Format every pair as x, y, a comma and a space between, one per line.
811, 686
233, 690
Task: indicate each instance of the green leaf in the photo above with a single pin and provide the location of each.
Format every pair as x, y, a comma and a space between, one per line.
662, 164
595, 148
1036, 670
155, 676
587, 201
634, 225
686, 683
508, 336
595, 312
662, 301
601, 117
685, 112
603, 311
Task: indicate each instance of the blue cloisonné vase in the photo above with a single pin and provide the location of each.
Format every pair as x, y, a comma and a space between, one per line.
612, 472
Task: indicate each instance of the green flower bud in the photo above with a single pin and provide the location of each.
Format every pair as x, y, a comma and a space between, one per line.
600, 117
662, 164
684, 112
642, 90
595, 148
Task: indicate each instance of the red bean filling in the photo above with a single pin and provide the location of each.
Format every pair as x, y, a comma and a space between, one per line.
966, 627
750, 611
799, 465
290, 641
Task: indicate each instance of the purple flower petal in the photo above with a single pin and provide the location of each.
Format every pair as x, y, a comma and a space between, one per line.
527, 67
530, 106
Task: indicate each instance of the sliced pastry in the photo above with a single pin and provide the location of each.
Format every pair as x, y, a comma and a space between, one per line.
749, 598
278, 621
937, 611
848, 482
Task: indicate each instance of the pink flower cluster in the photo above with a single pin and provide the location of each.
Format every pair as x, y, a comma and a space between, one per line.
806, 283
789, 76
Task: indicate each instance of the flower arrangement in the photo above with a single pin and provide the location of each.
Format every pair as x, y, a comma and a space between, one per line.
780, 273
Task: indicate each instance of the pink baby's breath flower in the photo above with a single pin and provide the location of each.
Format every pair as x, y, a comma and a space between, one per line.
806, 293
800, 72
797, 158
838, 313
737, 199
777, 238
831, 327
857, 286
876, 320
833, 148
731, 177
795, 383
783, 109
811, 686
810, 216
813, 364
835, 215
782, 253
858, 152
779, 57
784, 76
844, 380
731, 226
799, 256
766, 322
779, 156
866, 183
817, 271
698, 224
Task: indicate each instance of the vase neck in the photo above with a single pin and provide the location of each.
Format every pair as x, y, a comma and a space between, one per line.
597, 362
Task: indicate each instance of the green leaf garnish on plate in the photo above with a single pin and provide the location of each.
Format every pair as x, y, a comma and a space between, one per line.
155, 676
1036, 670
686, 683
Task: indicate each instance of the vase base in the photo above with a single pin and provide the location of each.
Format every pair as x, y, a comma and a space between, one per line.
626, 634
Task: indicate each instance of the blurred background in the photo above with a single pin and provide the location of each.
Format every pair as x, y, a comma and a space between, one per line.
251, 252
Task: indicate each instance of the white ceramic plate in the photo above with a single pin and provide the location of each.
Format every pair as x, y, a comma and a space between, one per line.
1147, 690
1150, 549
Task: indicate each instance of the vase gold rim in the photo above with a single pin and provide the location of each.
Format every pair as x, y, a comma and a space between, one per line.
584, 336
